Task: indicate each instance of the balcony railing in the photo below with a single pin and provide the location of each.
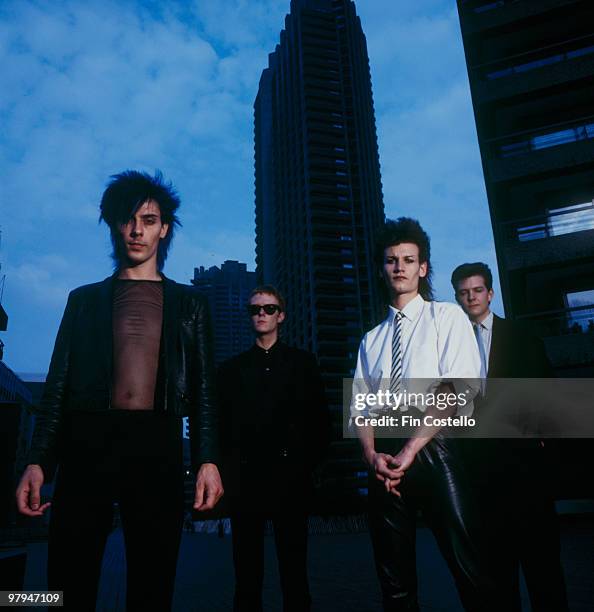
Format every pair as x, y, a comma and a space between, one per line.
483, 6
556, 222
553, 135
526, 61
12, 387
536, 140
578, 320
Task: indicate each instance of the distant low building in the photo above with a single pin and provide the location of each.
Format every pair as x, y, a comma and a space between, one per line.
228, 289
15, 432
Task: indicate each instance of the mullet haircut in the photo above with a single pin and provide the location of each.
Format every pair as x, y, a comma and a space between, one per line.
270, 290
466, 270
126, 192
405, 229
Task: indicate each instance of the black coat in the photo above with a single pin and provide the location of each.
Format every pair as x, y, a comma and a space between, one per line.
80, 371
271, 440
515, 353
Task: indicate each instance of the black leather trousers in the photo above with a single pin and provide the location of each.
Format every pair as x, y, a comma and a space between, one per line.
435, 484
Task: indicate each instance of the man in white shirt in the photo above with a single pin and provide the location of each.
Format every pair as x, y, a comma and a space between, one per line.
522, 524
433, 344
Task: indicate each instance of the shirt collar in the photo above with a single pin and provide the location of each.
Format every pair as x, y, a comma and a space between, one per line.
487, 322
411, 311
258, 350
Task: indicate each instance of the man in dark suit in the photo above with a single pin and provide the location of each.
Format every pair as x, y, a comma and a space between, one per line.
132, 357
275, 431
509, 475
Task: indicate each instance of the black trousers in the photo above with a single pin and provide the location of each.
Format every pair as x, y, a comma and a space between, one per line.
520, 520
435, 484
290, 536
135, 459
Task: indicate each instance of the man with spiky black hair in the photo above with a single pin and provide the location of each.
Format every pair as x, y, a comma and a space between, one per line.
132, 357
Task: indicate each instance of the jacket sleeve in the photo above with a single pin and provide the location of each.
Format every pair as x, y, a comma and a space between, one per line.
49, 416
204, 424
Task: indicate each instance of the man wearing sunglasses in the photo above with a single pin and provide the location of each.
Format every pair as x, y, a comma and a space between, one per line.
275, 429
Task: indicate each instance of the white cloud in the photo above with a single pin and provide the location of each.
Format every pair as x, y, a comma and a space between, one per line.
237, 24
44, 279
91, 88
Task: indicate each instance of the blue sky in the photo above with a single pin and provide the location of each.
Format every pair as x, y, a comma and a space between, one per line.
91, 88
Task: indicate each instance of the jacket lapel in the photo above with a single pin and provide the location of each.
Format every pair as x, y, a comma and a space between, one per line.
170, 315
105, 320
496, 342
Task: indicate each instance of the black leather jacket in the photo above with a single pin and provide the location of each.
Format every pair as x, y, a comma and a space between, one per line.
79, 376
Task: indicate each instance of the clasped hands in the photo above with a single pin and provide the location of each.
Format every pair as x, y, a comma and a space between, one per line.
390, 469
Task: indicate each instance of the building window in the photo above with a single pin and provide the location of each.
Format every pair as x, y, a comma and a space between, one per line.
539, 63
571, 219
580, 317
483, 8
560, 221
545, 141
582, 132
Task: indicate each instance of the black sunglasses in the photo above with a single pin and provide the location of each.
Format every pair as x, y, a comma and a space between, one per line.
269, 309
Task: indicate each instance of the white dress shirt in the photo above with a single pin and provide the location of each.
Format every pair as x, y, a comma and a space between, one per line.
437, 345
